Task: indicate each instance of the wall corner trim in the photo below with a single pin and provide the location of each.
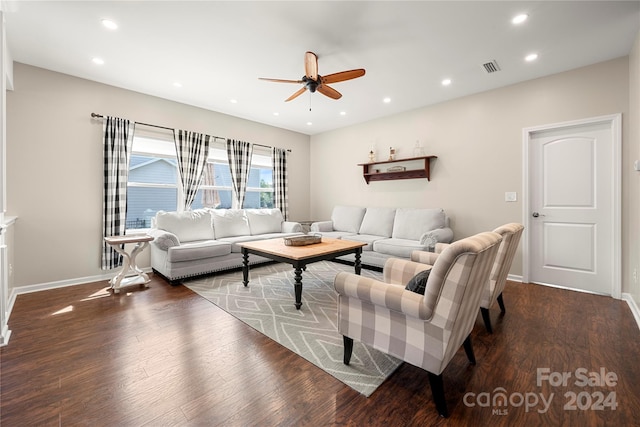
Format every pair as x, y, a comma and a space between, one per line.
633, 306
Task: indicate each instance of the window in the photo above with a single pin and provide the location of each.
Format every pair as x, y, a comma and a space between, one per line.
216, 188
154, 179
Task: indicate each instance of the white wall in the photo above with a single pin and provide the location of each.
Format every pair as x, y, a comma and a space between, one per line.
478, 141
54, 167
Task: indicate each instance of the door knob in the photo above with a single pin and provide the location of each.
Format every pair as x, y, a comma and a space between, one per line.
536, 214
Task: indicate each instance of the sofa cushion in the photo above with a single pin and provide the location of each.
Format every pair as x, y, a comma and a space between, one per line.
263, 221
347, 218
401, 248
335, 234
378, 222
230, 222
187, 226
364, 238
198, 250
410, 223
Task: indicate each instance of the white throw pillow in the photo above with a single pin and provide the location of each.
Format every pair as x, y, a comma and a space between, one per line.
264, 221
378, 222
347, 218
230, 222
187, 226
412, 223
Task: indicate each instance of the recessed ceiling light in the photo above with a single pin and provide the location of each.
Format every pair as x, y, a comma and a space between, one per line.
531, 57
386, 100
309, 123
233, 101
108, 23
98, 61
519, 19
177, 84
276, 114
446, 82
343, 113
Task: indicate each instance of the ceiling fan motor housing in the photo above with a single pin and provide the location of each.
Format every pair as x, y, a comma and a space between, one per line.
311, 84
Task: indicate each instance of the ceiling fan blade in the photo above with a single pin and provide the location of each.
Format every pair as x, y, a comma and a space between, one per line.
295, 95
280, 80
311, 65
329, 91
343, 75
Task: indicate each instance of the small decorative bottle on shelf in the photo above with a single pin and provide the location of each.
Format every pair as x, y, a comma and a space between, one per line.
372, 156
392, 153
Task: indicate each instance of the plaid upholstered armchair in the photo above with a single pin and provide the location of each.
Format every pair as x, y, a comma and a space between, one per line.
511, 234
424, 330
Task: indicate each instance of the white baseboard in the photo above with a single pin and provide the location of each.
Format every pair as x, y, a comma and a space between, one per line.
514, 278
4, 337
633, 306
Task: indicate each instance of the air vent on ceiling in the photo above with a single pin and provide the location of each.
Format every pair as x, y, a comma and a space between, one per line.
491, 67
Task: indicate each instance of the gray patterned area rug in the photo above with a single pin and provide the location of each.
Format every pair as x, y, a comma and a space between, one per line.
267, 305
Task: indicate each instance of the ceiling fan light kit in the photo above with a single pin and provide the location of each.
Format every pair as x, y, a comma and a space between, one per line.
313, 82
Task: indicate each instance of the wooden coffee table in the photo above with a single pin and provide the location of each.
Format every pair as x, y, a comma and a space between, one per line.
299, 256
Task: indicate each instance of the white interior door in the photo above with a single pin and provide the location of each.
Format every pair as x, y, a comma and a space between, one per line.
573, 211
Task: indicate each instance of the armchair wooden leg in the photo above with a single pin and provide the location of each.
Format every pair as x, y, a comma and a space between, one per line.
487, 319
468, 348
501, 303
348, 349
437, 390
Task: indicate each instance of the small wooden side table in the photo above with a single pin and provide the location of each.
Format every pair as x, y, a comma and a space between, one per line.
130, 274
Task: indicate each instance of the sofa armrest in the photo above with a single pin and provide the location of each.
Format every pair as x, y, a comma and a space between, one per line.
322, 226
399, 271
424, 257
439, 235
441, 247
291, 227
392, 297
163, 239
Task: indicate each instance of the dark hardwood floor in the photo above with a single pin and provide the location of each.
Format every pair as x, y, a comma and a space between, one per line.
81, 356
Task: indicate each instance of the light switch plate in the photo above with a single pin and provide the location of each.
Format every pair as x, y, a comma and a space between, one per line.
510, 196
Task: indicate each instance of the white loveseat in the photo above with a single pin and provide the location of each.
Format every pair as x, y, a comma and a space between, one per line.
388, 232
204, 241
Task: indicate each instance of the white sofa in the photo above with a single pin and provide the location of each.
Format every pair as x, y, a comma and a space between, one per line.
204, 241
388, 232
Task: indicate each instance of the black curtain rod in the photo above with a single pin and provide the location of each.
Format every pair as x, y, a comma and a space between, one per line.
100, 116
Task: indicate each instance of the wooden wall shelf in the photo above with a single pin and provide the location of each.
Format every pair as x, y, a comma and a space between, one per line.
369, 171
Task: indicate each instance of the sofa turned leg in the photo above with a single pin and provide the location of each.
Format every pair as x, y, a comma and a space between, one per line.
501, 303
487, 319
348, 349
437, 390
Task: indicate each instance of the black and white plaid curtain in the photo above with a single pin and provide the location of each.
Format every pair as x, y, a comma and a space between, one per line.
118, 138
192, 149
280, 182
239, 154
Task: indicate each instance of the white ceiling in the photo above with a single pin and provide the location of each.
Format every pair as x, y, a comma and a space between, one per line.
217, 50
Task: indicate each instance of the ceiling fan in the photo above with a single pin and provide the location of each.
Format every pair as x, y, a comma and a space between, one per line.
313, 81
